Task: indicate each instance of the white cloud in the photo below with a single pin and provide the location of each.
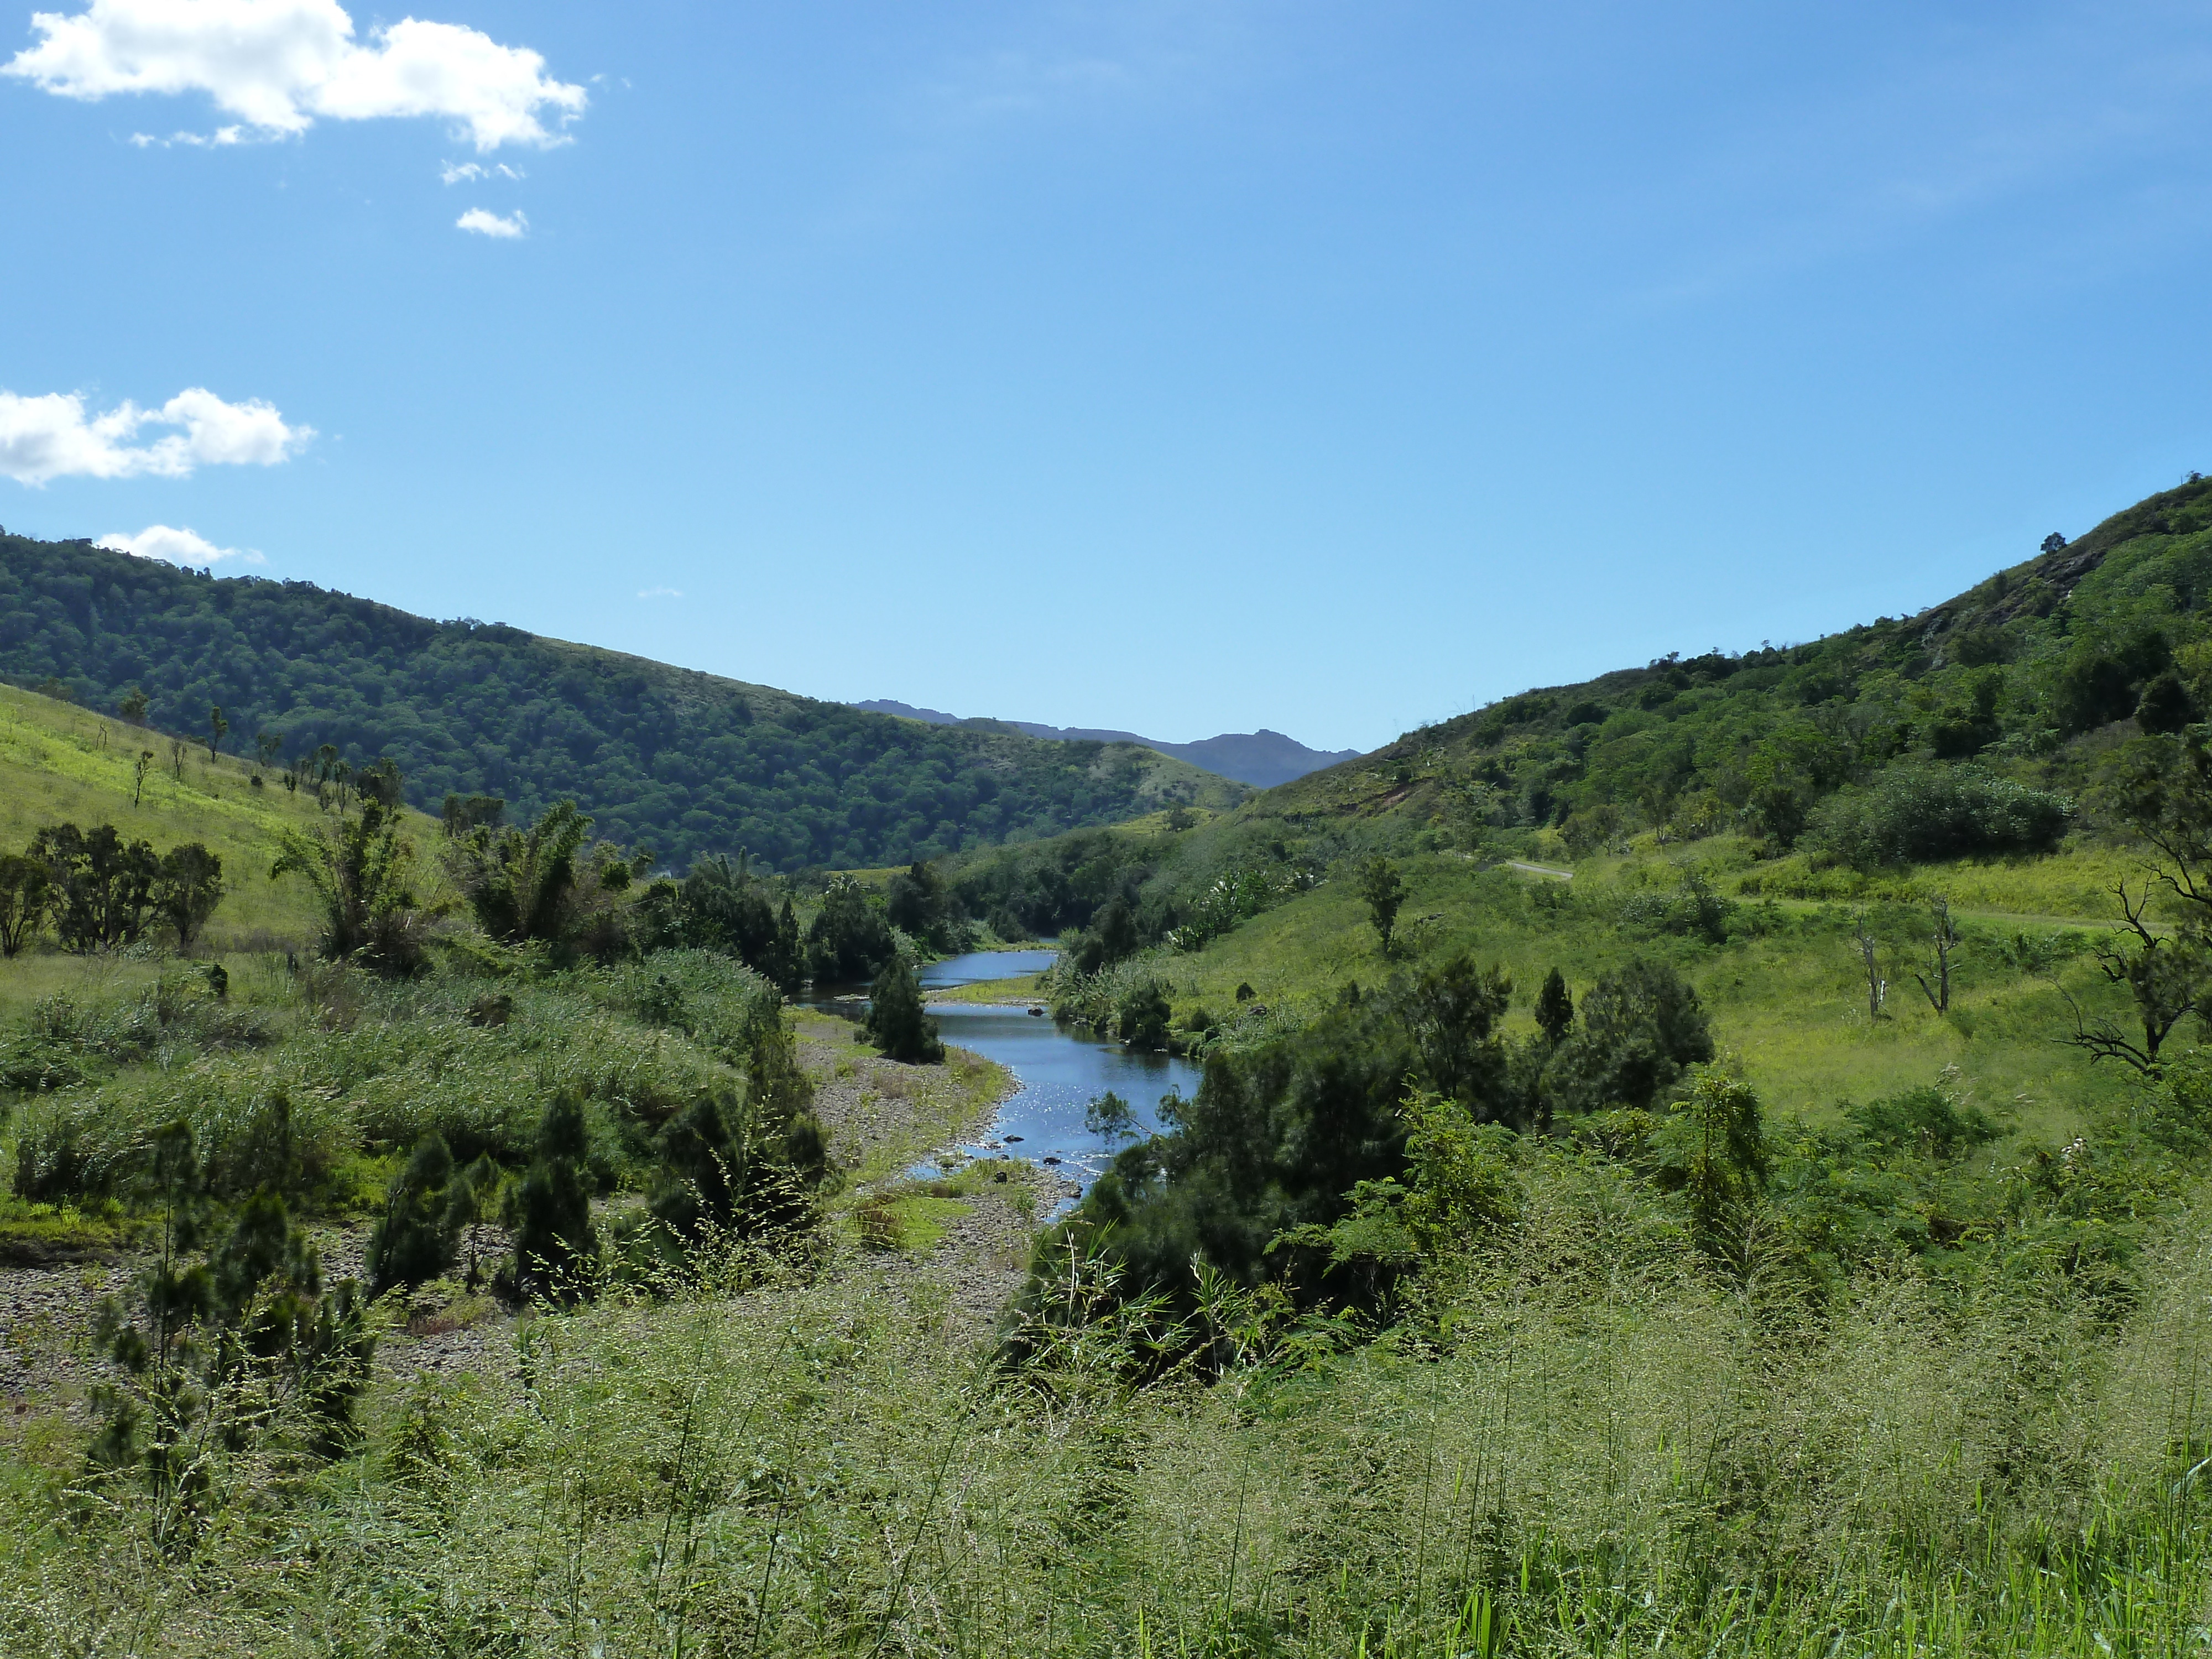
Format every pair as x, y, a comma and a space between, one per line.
162, 541
462, 173
278, 64
52, 437
660, 593
486, 223
221, 138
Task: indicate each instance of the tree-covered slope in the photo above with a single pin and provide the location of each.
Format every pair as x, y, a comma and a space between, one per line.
687, 763
2026, 675
1975, 727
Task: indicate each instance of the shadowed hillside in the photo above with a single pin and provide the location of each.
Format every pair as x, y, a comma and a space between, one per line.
687, 763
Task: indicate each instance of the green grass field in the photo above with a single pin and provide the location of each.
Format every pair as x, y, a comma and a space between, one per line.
1787, 991
60, 763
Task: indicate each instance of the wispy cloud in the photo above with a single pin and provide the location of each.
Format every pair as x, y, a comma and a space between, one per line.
162, 541
660, 593
221, 138
52, 436
487, 223
278, 65
462, 173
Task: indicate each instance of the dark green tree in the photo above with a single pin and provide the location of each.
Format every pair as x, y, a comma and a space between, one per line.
471, 1200
1642, 1028
550, 1212
1555, 1009
897, 1022
217, 726
25, 892
918, 903
1383, 890
415, 1239
187, 890
849, 938
1141, 1021
703, 1158
102, 886
132, 706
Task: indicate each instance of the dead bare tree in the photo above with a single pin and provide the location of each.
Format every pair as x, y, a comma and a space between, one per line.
1945, 940
1869, 947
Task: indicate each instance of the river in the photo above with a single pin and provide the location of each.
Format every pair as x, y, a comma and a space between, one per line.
1057, 1073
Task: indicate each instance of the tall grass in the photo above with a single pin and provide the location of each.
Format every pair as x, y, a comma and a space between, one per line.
1586, 1444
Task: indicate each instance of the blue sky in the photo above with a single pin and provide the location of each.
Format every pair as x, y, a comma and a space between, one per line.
1178, 367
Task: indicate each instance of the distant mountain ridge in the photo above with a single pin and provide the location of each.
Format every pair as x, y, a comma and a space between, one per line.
1262, 758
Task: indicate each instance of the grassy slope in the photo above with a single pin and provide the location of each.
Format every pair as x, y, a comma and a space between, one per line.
1790, 1002
1788, 991
60, 763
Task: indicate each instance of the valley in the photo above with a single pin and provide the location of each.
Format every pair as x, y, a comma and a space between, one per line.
1699, 1161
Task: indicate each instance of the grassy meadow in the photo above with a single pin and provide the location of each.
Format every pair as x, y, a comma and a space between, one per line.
60, 763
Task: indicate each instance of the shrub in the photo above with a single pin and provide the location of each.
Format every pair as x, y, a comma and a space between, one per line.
1913, 813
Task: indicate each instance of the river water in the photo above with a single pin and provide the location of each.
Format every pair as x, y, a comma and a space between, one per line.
1057, 1073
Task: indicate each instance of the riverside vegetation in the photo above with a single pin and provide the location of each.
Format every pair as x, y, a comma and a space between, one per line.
1771, 1219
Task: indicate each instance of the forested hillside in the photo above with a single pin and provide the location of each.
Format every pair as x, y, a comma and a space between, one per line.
687, 763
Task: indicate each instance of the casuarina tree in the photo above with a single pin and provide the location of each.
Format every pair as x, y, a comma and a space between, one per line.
1555, 1009
1384, 890
897, 1023
413, 1240
550, 1212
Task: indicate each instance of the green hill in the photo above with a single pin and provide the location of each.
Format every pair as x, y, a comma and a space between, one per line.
1807, 787
687, 763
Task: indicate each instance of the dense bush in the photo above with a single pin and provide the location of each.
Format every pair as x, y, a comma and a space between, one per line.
1913, 813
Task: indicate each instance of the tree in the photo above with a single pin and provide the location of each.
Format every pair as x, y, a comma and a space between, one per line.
2168, 976
1555, 1009
849, 939
2166, 706
1384, 892
897, 1022
1869, 949
1110, 1118
1641, 1027
132, 706
362, 876
1943, 941
268, 748
138, 771
1142, 1019
102, 886
188, 888
541, 885
26, 893
2054, 543
704, 1171
549, 1213
470, 1202
917, 902
217, 726
1713, 1151
465, 813
414, 1240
